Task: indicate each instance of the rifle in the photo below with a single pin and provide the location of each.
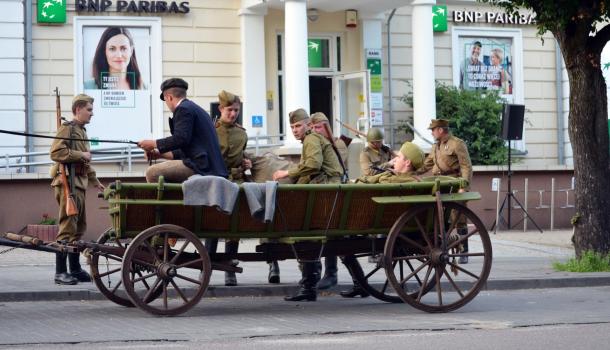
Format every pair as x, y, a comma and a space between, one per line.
358, 133
71, 208
344, 177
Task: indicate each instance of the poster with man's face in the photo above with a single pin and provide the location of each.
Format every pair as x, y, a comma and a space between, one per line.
116, 73
486, 64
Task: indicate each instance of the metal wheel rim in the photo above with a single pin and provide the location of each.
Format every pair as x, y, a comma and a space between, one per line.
434, 266
164, 282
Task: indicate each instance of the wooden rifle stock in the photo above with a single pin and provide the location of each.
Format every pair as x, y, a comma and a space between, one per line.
384, 147
71, 208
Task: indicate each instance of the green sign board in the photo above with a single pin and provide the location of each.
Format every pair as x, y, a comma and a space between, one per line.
376, 83
439, 18
51, 11
374, 65
314, 53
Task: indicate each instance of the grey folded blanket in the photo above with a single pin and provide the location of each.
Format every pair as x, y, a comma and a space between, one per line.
213, 191
261, 199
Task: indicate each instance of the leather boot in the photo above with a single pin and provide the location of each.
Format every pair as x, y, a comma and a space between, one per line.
211, 245
61, 270
355, 270
231, 247
75, 270
463, 259
330, 273
307, 292
274, 272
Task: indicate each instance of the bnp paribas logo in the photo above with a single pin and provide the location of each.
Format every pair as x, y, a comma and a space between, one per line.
51, 11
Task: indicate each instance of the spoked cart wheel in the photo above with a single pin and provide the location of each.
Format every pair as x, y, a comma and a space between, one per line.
426, 239
181, 275
374, 279
106, 270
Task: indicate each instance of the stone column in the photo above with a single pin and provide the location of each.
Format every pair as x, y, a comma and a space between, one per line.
424, 94
253, 75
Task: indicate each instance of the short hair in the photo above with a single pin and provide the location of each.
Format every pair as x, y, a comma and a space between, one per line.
81, 101
177, 92
477, 43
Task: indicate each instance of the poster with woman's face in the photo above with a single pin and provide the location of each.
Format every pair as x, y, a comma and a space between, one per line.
486, 64
116, 73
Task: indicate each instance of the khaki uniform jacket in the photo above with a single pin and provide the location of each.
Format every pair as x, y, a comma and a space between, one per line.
62, 152
388, 177
449, 157
370, 157
317, 158
233, 141
343, 152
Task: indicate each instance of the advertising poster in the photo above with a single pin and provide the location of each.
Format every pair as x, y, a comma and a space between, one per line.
486, 64
116, 72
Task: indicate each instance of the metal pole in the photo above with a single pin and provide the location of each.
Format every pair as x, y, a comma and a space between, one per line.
510, 193
525, 204
498, 206
552, 203
129, 158
390, 109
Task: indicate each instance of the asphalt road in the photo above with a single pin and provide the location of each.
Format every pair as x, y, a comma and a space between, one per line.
567, 318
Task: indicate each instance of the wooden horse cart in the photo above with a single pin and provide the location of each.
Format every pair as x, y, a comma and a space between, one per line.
403, 235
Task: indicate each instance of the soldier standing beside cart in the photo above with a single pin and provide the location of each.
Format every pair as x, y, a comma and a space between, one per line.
319, 165
74, 155
449, 157
233, 140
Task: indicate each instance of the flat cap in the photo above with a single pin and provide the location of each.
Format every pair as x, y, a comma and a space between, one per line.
318, 117
413, 153
438, 123
82, 98
298, 115
173, 83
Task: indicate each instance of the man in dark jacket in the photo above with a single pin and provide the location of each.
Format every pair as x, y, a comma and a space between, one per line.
193, 147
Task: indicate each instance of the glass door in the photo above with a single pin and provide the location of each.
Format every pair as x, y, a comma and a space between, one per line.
351, 102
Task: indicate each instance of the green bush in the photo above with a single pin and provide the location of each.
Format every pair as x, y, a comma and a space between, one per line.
475, 117
590, 261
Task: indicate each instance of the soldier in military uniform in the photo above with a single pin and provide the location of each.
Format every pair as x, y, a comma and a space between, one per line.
449, 157
375, 158
233, 140
321, 125
410, 158
319, 164
75, 154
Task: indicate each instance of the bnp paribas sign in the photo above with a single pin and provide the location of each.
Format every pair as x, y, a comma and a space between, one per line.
51, 11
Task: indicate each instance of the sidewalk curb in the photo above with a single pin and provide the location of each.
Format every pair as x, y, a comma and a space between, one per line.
286, 289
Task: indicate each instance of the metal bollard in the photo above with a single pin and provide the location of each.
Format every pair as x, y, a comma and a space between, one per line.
525, 204
552, 203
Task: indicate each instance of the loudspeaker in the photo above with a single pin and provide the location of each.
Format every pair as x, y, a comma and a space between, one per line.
512, 122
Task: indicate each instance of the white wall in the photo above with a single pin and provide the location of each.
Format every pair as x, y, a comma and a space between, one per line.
12, 69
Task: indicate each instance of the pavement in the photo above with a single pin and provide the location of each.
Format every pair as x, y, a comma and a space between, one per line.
521, 260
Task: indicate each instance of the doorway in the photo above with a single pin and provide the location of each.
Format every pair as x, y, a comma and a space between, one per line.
321, 95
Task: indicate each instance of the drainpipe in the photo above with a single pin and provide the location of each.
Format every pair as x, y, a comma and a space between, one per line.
390, 116
559, 88
29, 103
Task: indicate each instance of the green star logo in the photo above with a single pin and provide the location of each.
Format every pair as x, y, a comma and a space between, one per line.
52, 11
439, 18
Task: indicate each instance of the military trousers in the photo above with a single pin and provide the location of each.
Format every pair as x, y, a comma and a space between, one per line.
171, 170
71, 228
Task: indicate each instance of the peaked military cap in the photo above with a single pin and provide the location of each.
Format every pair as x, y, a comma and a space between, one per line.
298, 115
173, 83
438, 123
413, 153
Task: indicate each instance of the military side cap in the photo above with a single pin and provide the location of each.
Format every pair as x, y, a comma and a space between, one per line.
226, 98
298, 115
438, 123
412, 152
374, 134
82, 98
318, 117
173, 83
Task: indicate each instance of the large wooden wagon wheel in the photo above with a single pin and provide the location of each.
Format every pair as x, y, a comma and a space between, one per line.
374, 279
106, 270
426, 237
177, 265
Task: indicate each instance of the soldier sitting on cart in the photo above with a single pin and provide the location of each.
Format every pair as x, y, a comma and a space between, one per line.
410, 158
319, 165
